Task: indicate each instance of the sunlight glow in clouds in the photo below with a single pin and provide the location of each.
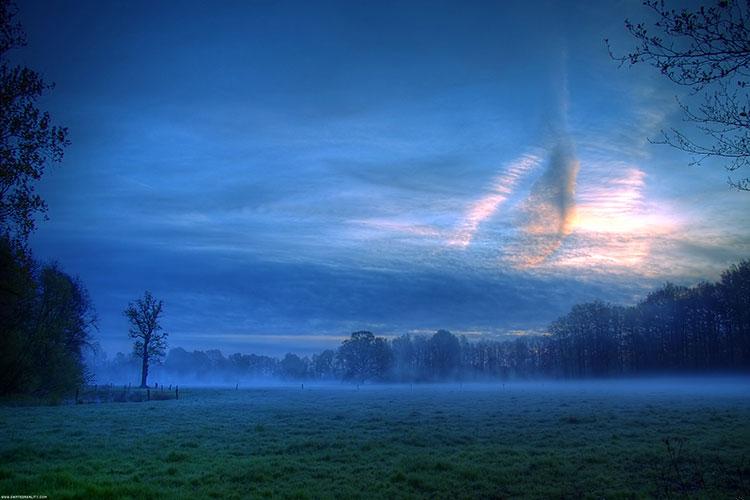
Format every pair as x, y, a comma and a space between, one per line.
600, 222
614, 227
617, 207
553, 221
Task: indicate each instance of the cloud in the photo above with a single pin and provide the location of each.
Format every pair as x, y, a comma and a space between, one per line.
501, 189
331, 192
549, 211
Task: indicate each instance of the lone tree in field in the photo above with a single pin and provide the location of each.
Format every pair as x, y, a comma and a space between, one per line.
28, 139
706, 49
150, 341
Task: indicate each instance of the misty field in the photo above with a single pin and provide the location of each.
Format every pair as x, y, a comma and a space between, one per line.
513, 440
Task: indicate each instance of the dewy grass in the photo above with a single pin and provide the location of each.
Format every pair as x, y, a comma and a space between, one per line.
388, 442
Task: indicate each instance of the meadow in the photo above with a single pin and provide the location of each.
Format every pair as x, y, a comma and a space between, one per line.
536, 440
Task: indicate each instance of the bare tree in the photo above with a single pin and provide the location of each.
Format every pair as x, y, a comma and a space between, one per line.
708, 50
150, 341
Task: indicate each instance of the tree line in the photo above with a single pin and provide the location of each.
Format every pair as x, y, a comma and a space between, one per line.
675, 329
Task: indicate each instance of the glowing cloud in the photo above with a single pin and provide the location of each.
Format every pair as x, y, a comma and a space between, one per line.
615, 227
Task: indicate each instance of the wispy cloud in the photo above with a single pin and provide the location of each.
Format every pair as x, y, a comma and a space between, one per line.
375, 227
500, 190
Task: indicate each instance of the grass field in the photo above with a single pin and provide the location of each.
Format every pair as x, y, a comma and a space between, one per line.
521, 440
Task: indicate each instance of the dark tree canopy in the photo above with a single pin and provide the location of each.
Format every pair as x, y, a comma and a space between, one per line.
708, 50
364, 357
293, 367
28, 139
150, 341
445, 354
47, 318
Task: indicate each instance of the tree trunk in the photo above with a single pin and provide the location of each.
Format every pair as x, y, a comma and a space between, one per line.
144, 368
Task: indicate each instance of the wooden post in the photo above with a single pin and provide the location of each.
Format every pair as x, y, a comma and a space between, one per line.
236, 387
177, 392
148, 394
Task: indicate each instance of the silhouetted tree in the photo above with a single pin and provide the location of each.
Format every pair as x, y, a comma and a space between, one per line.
28, 140
364, 357
324, 364
405, 366
47, 318
18, 294
706, 48
293, 367
66, 316
734, 290
150, 341
445, 355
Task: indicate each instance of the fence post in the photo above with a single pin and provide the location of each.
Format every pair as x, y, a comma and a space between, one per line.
177, 392
148, 394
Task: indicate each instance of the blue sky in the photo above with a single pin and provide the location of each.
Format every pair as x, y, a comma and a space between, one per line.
284, 173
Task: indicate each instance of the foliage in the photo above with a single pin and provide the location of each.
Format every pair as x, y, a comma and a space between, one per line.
705, 328
708, 50
445, 354
293, 367
150, 341
28, 139
364, 357
47, 319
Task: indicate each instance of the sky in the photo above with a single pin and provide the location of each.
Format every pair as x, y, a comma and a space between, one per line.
284, 173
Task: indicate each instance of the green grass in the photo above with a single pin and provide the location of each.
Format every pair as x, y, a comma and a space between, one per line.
383, 442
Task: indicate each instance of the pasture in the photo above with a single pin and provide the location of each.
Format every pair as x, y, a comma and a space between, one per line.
595, 440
